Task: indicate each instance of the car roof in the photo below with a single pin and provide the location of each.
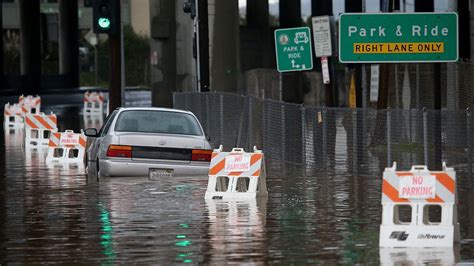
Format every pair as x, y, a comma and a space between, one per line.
121, 109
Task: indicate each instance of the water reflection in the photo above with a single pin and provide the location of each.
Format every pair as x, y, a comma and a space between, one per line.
419, 256
93, 120
236, 230
52, 214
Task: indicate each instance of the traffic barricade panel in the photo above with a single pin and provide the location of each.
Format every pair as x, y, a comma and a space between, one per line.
236, 175
13, 116
93, 103
39, 128
419, 208
30, 104
66, 147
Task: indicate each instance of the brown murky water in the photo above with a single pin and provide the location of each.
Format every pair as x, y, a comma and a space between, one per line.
57, 215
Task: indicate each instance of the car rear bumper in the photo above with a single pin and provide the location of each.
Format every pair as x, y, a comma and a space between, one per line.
128, 168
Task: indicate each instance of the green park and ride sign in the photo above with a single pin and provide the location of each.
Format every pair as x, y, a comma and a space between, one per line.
398, 37
293, 49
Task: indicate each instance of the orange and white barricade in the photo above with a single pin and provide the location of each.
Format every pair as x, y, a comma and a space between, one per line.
66, 147
38, 129
419, 208
13, 116
236, 175
93, 103
30, 104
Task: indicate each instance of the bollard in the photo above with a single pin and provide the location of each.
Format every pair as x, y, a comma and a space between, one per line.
425, 135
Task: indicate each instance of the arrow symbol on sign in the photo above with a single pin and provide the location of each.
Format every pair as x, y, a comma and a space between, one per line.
294, 65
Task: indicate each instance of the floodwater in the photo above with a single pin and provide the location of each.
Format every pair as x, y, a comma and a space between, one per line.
57, 215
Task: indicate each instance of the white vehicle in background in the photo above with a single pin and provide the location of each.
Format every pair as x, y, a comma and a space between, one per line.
154, 142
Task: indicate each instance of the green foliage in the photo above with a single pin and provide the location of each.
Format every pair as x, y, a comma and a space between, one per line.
11, 52
137, 60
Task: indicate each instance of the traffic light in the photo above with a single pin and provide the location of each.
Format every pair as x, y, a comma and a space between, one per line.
105, 15
190, 7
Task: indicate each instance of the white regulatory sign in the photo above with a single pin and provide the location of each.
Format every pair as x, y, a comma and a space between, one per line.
237, 163
374, 83
322, 36
417, 186
69, 139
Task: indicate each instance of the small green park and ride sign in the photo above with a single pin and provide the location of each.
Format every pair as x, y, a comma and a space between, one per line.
398, 37
293, 49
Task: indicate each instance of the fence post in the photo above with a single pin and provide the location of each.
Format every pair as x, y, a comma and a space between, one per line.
250, 141
469, 143
354, 143
208, 118
283, 137
417, 86
325, 133
241, 124
303, 138
389, 138
425, 135
221, 116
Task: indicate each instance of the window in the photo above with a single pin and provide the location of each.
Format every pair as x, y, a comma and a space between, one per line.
158, 122
108, 122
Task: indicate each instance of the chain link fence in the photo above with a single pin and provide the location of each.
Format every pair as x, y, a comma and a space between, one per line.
315, 141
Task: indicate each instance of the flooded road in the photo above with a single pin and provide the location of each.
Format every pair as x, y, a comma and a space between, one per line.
56, 215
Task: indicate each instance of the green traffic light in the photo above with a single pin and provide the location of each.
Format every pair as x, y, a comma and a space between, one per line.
104, 23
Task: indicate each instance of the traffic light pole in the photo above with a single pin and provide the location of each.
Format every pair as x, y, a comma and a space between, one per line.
115, 64
202, 44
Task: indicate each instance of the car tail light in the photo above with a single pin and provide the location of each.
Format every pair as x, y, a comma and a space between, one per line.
119, 151
201, 155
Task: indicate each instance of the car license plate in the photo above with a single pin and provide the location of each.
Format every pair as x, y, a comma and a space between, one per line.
157, 173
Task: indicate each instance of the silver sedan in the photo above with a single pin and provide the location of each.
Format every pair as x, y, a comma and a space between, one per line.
153, 142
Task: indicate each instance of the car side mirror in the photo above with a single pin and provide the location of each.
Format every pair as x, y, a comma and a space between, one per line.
91, 132
208, 138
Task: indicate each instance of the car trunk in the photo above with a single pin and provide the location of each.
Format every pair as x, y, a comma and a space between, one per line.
161, 146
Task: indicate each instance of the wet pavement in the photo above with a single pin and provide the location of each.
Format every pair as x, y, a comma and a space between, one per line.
57, 215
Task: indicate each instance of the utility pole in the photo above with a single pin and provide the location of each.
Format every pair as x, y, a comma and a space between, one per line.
115, 64
428, 6
355, 6
203, 44
384, 69
2, 58
464, 13
324, 8
198, 10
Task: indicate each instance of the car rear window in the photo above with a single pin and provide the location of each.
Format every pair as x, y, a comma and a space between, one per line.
157, 122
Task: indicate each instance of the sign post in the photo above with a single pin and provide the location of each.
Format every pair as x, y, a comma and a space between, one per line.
398, 37
322, 43
293, 49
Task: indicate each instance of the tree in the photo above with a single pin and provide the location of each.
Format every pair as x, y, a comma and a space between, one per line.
137, 60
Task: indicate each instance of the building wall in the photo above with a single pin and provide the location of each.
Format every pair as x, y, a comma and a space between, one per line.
11, 13
140, 16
